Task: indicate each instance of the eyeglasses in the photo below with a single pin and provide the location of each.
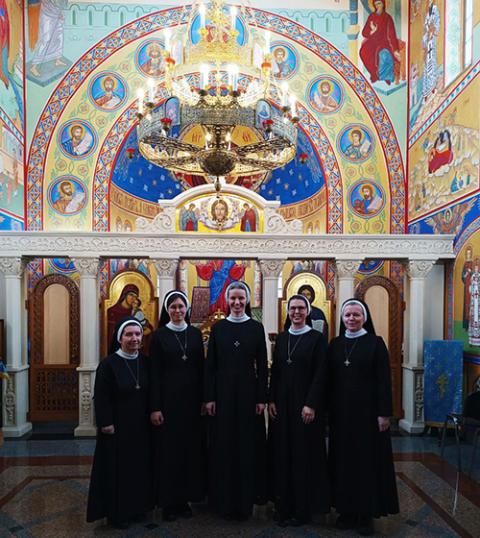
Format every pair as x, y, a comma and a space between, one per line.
300, 308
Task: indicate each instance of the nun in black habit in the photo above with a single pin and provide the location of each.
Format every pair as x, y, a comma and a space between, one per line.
120, 483
296, 429
177, 362
360, 406
235, 396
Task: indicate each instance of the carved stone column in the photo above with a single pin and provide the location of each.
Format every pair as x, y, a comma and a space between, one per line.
417, 271
89, 342
345, 284
166, 269
16, 388
271, 271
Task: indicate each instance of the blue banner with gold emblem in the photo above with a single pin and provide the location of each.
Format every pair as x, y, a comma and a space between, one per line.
443, 379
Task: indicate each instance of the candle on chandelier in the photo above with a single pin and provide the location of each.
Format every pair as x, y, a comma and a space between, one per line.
233, 76
168, 36
228, 140
233, 17
151, 90
204, 74
140, 97
201, 10
293, 106
208, 137
284, 93
268, 37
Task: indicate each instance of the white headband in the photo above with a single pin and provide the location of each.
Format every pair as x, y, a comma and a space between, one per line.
175, 292
238, 284
301, 297
124, 324
354, 301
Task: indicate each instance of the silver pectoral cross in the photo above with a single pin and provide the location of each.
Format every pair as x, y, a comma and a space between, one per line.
347, 363
236, 343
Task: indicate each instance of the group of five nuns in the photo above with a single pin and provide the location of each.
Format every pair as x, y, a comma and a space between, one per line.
232, 383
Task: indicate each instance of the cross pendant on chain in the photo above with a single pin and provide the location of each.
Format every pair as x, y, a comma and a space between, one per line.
289, 360
347, 363
236, 343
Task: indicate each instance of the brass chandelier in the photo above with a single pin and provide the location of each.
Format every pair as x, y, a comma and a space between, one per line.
230, 117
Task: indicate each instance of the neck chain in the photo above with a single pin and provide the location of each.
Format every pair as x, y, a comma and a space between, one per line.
182, 347
348, 354
290, 353
137, 378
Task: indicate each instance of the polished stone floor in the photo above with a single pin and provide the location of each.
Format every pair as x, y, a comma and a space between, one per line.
44, 484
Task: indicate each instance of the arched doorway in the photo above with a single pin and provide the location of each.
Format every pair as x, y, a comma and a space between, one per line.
54, 333
378, 291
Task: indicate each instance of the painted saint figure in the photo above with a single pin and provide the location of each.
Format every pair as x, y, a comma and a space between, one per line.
49, 46
123, 308
68, 201
189, 219
431, 29
359, 148
441, 153
474, 320
108, 99
80, 141
380, 49
219, 273
281, 65
466, 276
4, 42
248, 222
324, 99
154, 66
370, 201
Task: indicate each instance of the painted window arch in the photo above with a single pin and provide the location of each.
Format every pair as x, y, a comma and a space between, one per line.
328, 24
74, 15
458, 38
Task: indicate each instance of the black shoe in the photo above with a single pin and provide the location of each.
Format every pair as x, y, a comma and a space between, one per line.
184, 511
365, 526
297, 522
168, 515
138, 518
118, 524
345, 521
281, 522
241, 516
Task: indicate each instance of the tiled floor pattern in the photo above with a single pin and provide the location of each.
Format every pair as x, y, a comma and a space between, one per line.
45, 496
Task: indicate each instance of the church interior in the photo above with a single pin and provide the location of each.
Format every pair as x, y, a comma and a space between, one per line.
153, 145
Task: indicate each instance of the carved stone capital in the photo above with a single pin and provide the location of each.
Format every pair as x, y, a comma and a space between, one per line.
271, 268
346, 268
165, 267
419, 268
85, 397
418, 396
87, 266
10, 401
12, 266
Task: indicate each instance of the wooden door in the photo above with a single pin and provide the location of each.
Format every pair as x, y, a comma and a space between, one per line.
54, 333
377, 292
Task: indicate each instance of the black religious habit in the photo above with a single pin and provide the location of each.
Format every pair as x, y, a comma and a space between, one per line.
236, 379
299, 480
176, 386
360, 456
120, 483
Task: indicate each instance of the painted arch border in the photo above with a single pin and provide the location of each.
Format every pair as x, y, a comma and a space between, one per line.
159, 20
